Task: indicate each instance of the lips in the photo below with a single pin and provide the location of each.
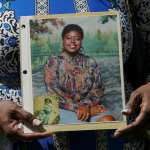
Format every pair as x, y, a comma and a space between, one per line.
72, 46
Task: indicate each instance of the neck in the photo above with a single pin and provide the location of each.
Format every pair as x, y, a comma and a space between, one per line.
69, 55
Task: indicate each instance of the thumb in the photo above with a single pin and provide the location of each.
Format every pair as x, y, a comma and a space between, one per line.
31, 136
136, 127
133, 103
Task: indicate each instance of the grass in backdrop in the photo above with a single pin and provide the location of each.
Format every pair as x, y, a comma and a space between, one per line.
100, 37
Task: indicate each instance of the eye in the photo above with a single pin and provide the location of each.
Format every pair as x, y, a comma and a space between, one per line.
68, 38
78, 39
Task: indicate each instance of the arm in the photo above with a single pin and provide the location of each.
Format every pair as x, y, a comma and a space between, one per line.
51, 77
52, 81
94, 89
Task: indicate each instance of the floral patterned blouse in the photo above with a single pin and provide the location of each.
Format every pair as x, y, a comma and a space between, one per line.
76, 79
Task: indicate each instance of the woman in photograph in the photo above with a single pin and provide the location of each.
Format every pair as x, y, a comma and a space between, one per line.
76, 79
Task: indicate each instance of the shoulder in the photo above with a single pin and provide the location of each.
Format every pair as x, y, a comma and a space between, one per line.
52, 60
91, 61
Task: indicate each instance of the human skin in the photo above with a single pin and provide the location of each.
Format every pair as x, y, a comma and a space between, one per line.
72, 42
11, 115
71, 45
139, 100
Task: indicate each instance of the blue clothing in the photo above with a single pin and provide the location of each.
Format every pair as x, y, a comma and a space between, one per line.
78, 140
67, 6
71, 117
56, 7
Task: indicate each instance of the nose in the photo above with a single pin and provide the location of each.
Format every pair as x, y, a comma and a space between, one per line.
72, 40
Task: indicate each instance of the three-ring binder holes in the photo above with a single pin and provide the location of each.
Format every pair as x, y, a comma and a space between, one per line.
23, 26
25, 72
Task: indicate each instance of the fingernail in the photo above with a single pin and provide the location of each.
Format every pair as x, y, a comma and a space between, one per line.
20, 125
115, 134
36, 122
125, 110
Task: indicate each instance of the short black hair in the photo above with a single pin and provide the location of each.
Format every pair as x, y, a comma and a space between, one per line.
72, 27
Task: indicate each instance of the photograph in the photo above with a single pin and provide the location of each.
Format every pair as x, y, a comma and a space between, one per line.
72, 70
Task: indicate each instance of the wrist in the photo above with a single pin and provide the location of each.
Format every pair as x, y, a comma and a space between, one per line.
77, 97
83, 105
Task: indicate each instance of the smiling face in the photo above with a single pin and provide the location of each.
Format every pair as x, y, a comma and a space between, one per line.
72, 42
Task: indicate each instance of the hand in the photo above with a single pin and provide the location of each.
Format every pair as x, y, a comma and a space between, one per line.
139, 99
83, 113
96, 109
11, 115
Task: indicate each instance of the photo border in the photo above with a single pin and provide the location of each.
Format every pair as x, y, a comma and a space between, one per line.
26, 74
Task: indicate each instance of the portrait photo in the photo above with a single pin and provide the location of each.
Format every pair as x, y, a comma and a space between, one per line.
72, 70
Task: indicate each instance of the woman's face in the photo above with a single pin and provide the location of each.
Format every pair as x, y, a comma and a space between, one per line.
72, 42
